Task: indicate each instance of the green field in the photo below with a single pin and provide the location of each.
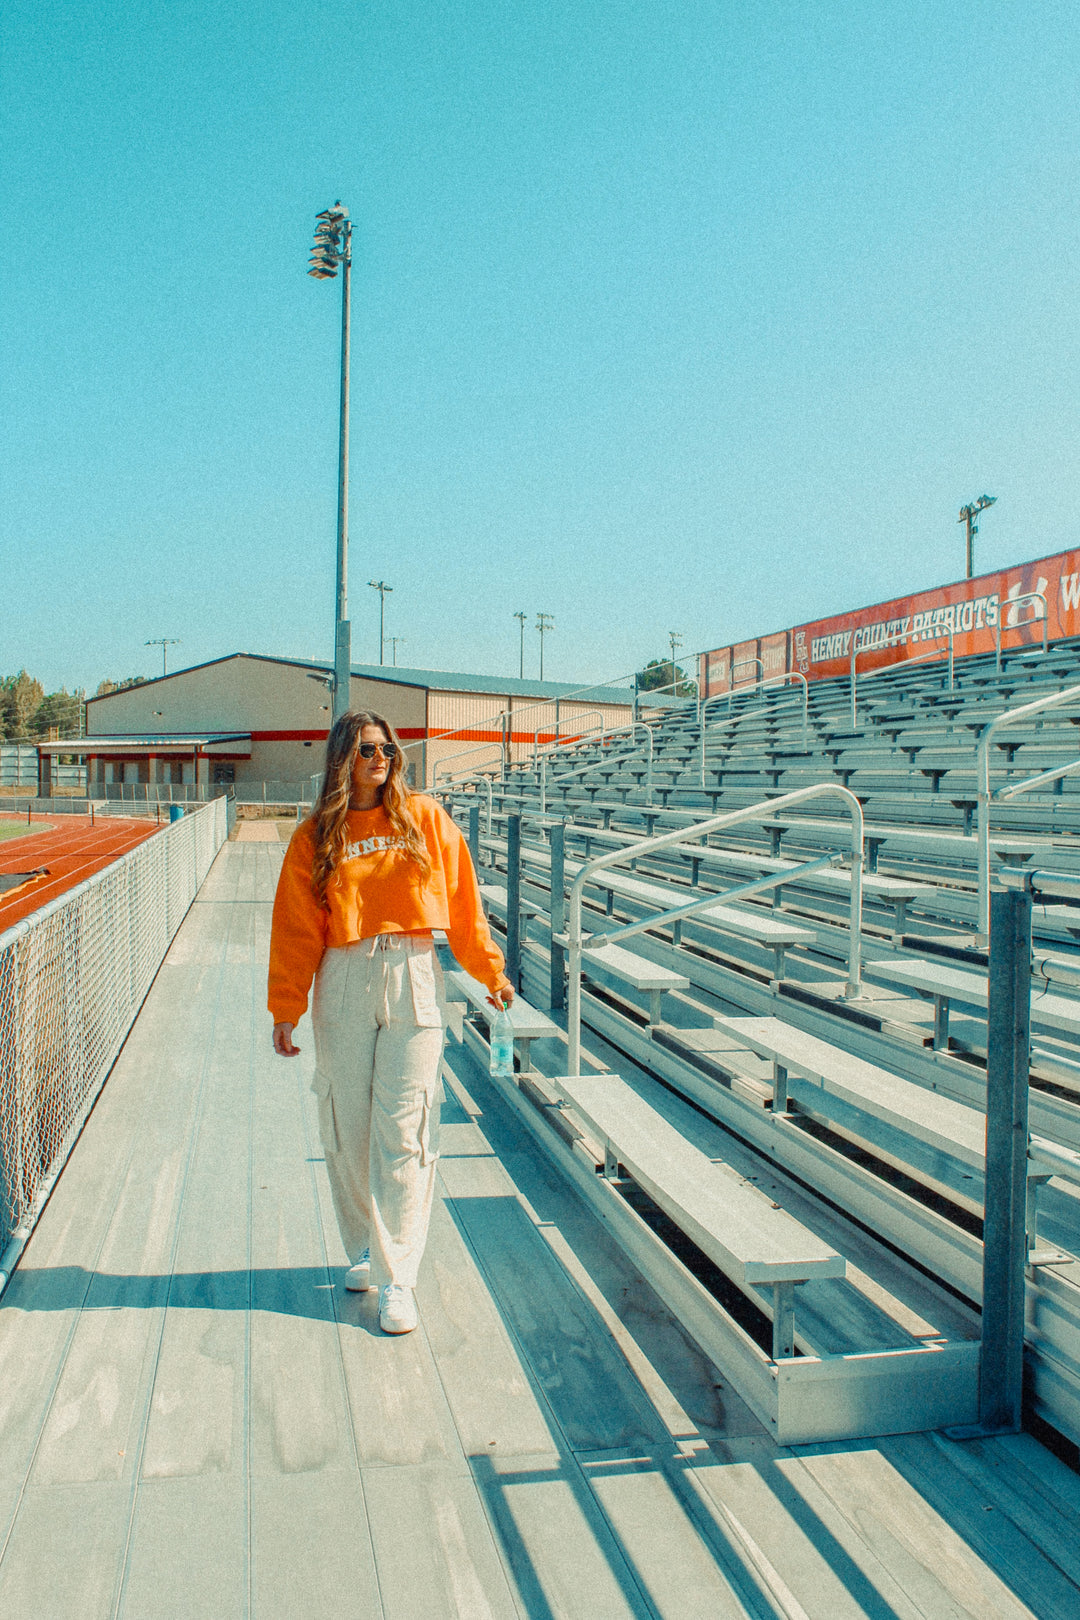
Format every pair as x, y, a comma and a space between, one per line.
19, 829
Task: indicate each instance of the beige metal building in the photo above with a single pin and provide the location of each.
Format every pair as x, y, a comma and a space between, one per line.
249, 720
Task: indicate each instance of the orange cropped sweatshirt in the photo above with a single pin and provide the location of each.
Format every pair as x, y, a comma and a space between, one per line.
376, 889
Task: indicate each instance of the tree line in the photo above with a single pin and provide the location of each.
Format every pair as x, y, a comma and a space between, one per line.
28, 713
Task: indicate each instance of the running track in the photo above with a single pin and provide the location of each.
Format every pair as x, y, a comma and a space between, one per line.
71, 849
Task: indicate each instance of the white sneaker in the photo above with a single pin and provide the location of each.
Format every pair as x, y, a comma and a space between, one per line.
397, 1309
358, 1277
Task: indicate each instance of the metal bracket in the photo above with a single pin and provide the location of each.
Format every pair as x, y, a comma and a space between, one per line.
783, 1327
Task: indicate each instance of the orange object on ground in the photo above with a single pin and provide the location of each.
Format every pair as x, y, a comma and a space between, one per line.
72, 850
377, 889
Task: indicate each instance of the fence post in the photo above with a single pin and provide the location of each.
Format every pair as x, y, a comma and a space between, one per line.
513, 900
474, 835
1001, 1362
558, 915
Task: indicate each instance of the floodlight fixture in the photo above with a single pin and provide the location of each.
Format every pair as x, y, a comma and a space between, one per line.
968, 515
333, 251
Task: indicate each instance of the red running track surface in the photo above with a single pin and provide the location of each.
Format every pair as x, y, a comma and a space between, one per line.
71, 848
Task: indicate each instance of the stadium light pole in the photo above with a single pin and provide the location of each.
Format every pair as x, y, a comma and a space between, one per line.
333, 250
675, 641
968, 515
163, 642
521, 617
544, 623
384, 591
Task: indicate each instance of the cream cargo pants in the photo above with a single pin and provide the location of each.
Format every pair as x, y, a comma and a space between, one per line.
377, 1014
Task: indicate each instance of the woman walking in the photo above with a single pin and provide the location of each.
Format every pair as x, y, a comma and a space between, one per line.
364, 882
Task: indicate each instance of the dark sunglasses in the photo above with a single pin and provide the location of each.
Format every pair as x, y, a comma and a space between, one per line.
369, 750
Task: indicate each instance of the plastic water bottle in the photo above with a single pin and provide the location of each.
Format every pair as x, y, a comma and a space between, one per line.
502, 1043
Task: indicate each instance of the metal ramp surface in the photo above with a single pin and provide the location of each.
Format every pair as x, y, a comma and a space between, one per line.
196, 1420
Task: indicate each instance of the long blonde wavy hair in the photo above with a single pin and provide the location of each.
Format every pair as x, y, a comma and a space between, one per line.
332, 805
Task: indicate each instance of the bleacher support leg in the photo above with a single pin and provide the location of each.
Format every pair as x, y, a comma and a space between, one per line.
513, 900
783, 1323
558, 915
1001, 1369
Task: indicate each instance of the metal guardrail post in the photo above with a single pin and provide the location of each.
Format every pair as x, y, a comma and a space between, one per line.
1005, 1222
513, 900
558, 915
982, 781
474, 835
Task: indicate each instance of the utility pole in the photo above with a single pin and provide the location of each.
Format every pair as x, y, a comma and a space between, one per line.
544, 623
521, 617
395, 642
968, 515
384, 591
675, 641
333, 249
163, 642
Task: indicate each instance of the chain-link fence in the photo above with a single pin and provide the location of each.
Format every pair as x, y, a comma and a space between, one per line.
72, 978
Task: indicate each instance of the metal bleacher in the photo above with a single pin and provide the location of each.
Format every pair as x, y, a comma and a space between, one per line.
868, 1104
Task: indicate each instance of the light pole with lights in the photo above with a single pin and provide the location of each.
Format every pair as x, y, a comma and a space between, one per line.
384, 591
544, 623
521, 617
675, 641
968, 515
333, 251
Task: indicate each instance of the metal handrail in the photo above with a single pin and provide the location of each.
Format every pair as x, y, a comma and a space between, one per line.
742, 665
772, 680
1030, 783
896, 641
645, 846
600, 764
1043, 618
983, 799
464, 753
558, 723
503, 715
685, 680
479, 777
762, 681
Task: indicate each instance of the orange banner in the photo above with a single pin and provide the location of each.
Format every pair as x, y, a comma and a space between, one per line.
1013, 604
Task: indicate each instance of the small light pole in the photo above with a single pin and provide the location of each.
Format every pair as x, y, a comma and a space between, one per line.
521, 617
395, 643
333, 249
968, 515
544, 623
384, 591
163, 642
675, 641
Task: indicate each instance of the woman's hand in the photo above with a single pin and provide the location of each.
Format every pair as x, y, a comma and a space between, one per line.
503, 997
283, 1041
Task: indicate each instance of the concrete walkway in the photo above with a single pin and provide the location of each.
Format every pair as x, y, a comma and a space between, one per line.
196, 1420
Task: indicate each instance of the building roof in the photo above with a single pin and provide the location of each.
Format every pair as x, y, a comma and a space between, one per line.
438, 680
156, 742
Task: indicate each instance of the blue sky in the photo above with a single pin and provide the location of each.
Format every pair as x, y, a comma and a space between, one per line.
704, 317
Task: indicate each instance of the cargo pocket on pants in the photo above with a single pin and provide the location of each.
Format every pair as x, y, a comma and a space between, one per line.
320, 1085
429, 1127
424, 986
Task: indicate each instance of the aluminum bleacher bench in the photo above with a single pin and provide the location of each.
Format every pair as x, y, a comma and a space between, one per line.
529, 1023
874, 1377
945, 984
754, 1243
